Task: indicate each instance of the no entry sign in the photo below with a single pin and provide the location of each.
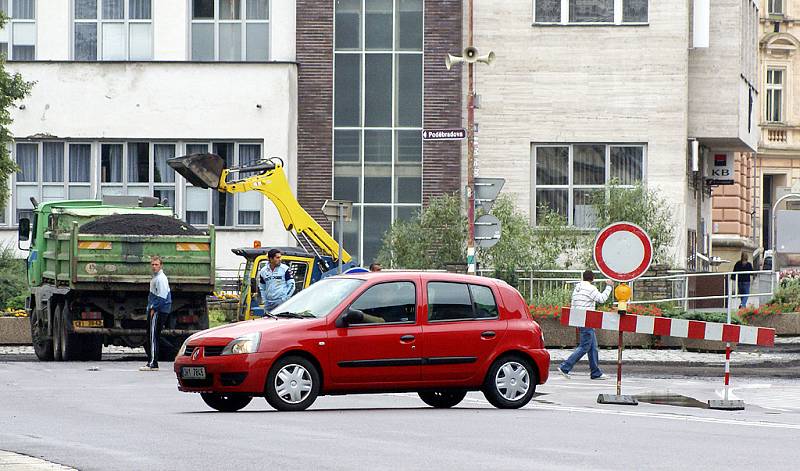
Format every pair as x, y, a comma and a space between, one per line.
623, 251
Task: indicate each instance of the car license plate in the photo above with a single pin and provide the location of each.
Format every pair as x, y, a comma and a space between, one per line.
193, 372
92, 323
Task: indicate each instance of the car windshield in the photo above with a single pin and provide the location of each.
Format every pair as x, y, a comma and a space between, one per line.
319, 299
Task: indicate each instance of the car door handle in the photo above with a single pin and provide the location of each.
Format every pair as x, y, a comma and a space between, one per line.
407, 338
489, 334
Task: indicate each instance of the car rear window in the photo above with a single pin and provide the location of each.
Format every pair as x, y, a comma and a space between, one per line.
459, 301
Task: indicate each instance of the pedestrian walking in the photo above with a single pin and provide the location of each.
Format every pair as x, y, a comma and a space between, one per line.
159, 305
275, 281
743, 280
584, 296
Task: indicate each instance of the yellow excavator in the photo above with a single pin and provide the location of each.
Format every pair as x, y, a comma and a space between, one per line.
268, 178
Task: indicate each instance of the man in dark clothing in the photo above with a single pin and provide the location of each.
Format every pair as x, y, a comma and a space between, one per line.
743, 280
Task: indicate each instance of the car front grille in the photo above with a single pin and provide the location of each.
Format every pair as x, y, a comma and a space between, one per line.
213, 351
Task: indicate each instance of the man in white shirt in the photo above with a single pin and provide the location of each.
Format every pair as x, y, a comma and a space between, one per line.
584, 296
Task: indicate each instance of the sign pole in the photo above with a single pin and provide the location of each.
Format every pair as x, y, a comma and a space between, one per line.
340, 223
726, 403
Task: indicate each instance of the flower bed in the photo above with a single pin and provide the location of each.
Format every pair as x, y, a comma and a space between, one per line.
557, 335
784, 318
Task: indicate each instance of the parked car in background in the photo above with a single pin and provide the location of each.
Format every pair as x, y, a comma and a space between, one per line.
437, 334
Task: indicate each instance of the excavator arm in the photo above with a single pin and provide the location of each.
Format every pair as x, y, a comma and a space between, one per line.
208, 171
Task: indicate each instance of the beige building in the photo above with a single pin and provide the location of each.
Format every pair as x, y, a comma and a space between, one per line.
583, 92
775, 169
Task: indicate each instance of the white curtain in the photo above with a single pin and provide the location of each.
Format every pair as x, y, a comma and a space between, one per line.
53, 162
163, 173
27, 156
111, 162
257, 9
24, 9
549, 11
113, 10
80, 163
140, 10
634, 11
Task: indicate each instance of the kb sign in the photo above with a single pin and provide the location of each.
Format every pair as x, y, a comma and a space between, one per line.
720, 171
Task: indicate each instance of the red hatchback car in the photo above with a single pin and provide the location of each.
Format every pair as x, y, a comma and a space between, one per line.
437, 334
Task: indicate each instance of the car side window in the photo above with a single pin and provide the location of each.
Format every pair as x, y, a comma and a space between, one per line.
449, 301
483, 299
388, 303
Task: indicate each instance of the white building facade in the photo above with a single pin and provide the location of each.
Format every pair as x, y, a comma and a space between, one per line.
123, 85
586, 91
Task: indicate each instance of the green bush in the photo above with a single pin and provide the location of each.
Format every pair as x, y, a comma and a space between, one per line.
720, 317
216, 317
13, 279
553, 297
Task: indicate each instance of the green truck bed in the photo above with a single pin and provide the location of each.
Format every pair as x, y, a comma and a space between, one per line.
85, 261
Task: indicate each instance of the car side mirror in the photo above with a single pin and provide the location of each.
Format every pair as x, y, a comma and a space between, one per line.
352, 316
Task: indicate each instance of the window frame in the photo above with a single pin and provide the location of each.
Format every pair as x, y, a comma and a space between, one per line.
99, 23
564, 21
570, 186
395, 207
471, 300
11, 26
372, 324
771, 8
770, 89
216, 21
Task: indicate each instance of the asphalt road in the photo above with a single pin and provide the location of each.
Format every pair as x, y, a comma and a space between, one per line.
109, 416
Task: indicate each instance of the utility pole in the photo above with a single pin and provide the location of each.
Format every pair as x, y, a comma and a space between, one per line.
470, 56
471, 265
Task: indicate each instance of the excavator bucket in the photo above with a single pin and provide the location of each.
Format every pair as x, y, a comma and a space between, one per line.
202, 170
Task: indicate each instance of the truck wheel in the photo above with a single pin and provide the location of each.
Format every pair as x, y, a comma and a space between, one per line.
57, 337
42, 345
225, 403
70, 343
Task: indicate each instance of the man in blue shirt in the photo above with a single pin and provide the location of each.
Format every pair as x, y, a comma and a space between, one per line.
275, 281
159, 305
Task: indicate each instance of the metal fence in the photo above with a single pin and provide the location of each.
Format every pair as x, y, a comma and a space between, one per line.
692, 290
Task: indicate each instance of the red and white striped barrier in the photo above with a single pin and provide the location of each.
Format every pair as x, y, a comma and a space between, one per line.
670, 327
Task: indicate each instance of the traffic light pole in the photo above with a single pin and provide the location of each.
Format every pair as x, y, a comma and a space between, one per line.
471, 261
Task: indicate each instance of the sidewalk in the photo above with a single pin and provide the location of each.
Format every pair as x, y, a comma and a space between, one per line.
17, 462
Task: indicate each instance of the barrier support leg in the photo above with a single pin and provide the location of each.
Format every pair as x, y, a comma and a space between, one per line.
618, 398
726, 403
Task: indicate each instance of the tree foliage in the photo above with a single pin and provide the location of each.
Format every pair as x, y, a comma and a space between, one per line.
12, 89
435, 238
643, 206
13, 282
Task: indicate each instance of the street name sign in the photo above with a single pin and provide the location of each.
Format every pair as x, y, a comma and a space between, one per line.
454, 134
622, 251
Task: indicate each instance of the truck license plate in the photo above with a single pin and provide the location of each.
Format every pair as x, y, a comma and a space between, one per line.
193, 372
92, 323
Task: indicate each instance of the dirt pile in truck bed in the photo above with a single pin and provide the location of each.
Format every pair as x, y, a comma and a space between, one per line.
139, 224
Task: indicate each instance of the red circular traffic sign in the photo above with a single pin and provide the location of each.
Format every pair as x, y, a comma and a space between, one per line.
623, 251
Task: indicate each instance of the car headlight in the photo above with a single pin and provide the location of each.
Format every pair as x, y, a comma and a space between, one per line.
244, 344
183, 348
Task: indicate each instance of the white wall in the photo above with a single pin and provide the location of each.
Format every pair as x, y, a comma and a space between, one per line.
171, 20
175, 101
572, 84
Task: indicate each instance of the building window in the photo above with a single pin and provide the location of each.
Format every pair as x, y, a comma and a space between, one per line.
377, 149
230, 30
774, 111
775, 7
50, 171
566, 176
205, 207
18, 37
113, 30
590, 11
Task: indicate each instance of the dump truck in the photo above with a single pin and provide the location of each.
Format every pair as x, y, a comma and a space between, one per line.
89, 275
317, 255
